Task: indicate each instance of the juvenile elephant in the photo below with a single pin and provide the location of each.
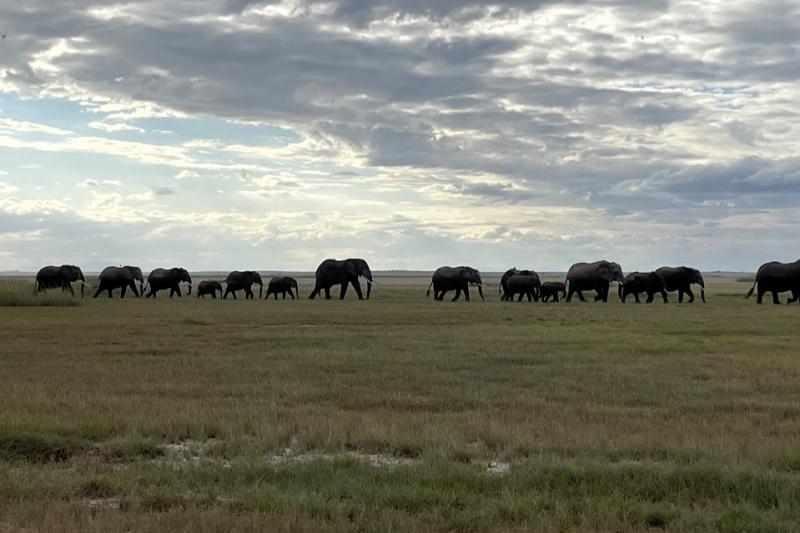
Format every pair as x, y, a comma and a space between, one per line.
282, 285
503, 288
343, 273
636, 282
243, 281
777, 277
551, 289
53, 277
522, 285
209, 287
681, 279
592, 276
162, 279
454, 279
120, 277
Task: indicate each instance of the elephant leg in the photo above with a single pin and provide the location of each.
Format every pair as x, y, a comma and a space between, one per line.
110, 293
690, 294
650, 296
227, 291
124, 290
291, 293
343, 290
458, 294
664, 297
357, 288
213, 295
178, 292
530, 297
466, 293
327, 293
636, 297
775, 298
760, 297
520, 297
680, 296
580, 296
98, 291
440, 297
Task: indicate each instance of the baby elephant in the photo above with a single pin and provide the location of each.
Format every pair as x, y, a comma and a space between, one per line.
650, 282
282, 285
551, 289
209, 287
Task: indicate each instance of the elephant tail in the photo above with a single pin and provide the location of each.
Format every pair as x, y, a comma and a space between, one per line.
750, 292
428, 293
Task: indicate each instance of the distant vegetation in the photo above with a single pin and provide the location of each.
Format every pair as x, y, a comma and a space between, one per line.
20, 293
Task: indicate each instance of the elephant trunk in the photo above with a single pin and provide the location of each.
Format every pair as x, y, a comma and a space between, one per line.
703, 295
260, 290
480, 291
190, 289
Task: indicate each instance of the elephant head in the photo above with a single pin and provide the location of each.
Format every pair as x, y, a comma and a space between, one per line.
135, 273
610, 271
360, 268
181, 275
293, 284
255, 278
697, 277
72, 273
470, 275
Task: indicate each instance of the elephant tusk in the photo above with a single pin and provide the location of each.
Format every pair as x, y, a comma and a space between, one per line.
370, 281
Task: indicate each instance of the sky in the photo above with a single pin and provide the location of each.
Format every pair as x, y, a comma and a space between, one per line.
245, 134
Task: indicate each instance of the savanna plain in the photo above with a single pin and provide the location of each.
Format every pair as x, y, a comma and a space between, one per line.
401, 414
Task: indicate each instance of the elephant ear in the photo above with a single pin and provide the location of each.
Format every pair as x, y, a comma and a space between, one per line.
604, 271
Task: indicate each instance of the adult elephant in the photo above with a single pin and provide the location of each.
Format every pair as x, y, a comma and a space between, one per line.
777, 277
508, 274
282, 284
635, 283
454, 279
343, 273
243, 281
523, 285
596, 276
681, 279
161, 279
53, 277
120, 278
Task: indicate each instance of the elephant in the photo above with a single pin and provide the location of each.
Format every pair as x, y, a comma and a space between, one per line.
237, 281
650, 282
595, 276
681, 279
777, 277
343, 273
551, 289
161, 279
120, 277
524, 285
503, 288
52, 277
282, 285
209, 287
454, 279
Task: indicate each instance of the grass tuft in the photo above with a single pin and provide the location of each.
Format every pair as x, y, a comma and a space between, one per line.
16, 293
37, 448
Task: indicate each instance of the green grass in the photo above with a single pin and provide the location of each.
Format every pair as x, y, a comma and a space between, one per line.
612, 417
20, 293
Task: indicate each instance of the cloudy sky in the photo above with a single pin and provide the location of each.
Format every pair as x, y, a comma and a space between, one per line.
273, 134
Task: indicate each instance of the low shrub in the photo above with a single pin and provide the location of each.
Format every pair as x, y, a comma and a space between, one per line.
20, 293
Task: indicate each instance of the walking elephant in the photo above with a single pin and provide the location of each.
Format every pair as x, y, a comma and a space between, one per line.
282, 285
522, 285
162, 279
53, 277
503, 288
343, 273
681, 279
596, 276
243, 281
777, 277
209, 287
637, 282
454, 279
551, 289
120, 278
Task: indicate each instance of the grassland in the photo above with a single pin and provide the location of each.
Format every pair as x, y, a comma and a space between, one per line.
400, 414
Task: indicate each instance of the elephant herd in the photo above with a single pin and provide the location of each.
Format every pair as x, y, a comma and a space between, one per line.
773, 277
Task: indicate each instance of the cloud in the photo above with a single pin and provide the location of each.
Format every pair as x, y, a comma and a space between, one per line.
448, 123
